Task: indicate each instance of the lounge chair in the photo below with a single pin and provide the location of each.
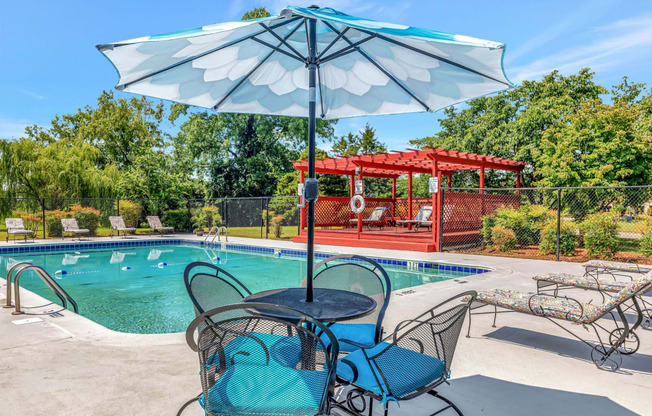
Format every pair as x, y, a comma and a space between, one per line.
422, 219
377, 218
118, 224
241, 375
15, 226
155, 225
361, 275
70, 226
412, 361
615, 268
621, 340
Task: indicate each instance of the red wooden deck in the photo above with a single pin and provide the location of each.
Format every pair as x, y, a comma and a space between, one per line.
389, 238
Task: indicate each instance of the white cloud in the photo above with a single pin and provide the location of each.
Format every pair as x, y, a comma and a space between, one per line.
616, 44
34, 95
13, 128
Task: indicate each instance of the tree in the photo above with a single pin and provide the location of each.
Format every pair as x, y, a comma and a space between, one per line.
256, 13
512, 123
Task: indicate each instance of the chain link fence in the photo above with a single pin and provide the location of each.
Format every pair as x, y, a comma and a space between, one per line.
551, 223
260, 217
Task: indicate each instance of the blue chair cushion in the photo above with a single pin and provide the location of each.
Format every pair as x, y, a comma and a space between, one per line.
267, 390
361, 333
405, 370
283, 350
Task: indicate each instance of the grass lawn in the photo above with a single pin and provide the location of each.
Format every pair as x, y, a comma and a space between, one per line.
632, 227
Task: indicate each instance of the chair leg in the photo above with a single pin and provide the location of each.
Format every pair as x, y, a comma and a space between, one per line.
451, 405
188, 403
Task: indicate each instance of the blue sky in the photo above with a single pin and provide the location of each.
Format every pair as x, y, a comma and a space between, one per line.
49, 65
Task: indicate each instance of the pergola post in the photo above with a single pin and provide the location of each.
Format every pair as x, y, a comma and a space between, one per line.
518, 183
436, 208
393, 196
450, 181
482, 180
409, 211
361, 212
302, 217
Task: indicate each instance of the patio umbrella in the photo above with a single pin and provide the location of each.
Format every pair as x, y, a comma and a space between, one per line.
305, 60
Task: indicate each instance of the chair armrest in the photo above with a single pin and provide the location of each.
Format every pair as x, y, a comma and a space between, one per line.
356, 344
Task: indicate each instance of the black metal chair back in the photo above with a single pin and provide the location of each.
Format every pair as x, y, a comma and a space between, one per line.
254, 363
357, 274
211, 287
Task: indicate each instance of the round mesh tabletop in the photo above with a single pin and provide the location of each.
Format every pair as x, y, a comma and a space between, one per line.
328, 305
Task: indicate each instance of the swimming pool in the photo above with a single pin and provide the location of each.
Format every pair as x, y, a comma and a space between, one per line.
137, 286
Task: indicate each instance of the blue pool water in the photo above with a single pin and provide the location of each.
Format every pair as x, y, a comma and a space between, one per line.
140, 289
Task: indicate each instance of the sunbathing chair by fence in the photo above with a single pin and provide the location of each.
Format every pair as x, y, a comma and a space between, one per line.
155, 225
15, 226
377, 218
615, 268
606, 353
70, 226
241, 375
118, 224
412, 361
422, 219
361, 275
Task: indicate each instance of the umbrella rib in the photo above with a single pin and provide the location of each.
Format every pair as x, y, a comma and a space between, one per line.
346, 29
243, 79
201, 55
321, 98
383, 70
432, 55
269, 45
280, 39
346, 50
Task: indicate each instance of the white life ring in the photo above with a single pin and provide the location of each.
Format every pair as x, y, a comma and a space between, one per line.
357, 199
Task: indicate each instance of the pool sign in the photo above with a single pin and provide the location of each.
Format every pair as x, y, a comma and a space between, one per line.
358, 187
433, 185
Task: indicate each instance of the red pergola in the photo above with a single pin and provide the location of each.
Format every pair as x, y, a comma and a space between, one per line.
430, 160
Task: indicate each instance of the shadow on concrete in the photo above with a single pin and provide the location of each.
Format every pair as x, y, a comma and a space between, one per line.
567, 347
481, 395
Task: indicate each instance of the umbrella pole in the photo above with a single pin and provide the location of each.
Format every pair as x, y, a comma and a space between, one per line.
311, 186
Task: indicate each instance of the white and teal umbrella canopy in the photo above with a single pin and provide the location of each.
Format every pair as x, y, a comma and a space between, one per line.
260, 66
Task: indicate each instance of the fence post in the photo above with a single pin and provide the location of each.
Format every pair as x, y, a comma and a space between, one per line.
118, 204
189, 215
262, 221
267, 221
558, 219
43, 213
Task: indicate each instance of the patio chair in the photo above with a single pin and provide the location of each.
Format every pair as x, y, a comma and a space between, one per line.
605, 353
70, 226
422, 219
15, 226
358, 274
241, 374
155, 225
377, 218
615, 268
412, 361
118, 224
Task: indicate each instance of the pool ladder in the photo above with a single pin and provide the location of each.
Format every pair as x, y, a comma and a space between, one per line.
22, 267
218, 230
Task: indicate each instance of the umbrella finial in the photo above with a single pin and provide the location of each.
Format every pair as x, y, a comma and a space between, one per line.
312, 6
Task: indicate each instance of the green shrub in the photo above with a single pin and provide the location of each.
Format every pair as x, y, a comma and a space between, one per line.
503, 239
286, 207
130, 212
567, 238
276, 226
87, 217
31, 221
646, 240
526, 222
488, 221
177, 218
600, 235
213, 218
53, 225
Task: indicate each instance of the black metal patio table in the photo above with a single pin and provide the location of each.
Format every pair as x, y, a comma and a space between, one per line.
328, 305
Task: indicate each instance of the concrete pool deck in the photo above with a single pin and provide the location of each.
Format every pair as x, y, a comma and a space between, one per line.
69, 365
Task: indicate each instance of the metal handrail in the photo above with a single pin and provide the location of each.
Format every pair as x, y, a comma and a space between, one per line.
219, 231
9, 273
209, 233
54, 286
